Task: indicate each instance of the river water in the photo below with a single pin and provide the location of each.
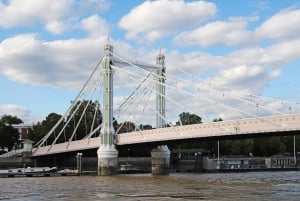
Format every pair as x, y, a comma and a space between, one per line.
177, 186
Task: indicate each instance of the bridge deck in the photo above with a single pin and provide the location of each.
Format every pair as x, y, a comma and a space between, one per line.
215, 129
254, 126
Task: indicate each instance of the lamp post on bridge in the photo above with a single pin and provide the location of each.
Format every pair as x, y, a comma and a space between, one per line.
160, 156
107, 153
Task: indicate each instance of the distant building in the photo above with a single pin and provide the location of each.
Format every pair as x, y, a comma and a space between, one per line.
23, 130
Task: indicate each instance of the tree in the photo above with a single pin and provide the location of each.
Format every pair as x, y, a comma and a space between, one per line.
85, 122
40, 129
236, 147
268, 146
9, 136
185, 118
81, 122
126, 127
145, 127
217, 119
8, 119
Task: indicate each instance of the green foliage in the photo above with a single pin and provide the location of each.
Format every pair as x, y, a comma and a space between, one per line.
84, 123
145, 127
236, 147
268, 146
9, 135
8, 119
217, 119
185, 118
126, 127
40, 129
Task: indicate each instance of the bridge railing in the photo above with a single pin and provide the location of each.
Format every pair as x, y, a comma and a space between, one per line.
218, 129
12, 153
67, 147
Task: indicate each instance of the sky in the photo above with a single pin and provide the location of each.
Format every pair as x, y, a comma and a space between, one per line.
48, 48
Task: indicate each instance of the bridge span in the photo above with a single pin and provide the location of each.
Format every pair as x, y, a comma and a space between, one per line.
265, 126
153, 79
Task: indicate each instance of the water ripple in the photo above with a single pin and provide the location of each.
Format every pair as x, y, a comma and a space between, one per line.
263, 186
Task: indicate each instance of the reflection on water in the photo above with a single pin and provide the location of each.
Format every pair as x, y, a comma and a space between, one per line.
231, 186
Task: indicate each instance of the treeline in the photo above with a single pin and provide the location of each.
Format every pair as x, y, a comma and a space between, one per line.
263, 146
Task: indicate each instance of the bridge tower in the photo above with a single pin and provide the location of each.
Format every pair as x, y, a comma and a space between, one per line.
107, 153
160, 156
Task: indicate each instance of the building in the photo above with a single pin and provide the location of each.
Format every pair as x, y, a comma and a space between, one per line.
23, 130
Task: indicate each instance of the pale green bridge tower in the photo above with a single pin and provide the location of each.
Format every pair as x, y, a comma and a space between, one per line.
107, 152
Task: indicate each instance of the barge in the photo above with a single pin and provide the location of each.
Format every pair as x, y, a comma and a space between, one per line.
29, 171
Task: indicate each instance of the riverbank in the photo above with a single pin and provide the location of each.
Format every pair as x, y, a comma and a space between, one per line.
129, 165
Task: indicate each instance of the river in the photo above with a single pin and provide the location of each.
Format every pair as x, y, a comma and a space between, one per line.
177, 186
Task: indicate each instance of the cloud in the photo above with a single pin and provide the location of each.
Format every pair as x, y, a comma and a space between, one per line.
235, 32
284, 24
95, 26
55, 27
62, 63
153, 20
67, 63
276, 55
20, 111
245, 77
56, 16
27, 12
229, 33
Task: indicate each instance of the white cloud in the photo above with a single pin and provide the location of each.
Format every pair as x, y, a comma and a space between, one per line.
56, 16
229, 33
245, 77
95, 26
276, 55
64, 63
284, 24
67, 63
28, 12
55, 27
20, 111
155, 19
197, 62
234, 32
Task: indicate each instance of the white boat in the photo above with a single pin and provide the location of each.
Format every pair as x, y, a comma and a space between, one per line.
128, 169
29, 171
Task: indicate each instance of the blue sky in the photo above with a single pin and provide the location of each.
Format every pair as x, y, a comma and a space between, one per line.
48, 48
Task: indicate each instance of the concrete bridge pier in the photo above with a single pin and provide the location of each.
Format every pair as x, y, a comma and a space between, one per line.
107, 160
160, 159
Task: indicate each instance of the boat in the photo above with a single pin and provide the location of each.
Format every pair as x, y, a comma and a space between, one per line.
29, 171
128, 169
68, 172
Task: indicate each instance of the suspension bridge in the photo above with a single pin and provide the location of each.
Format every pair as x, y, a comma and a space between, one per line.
145, 95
